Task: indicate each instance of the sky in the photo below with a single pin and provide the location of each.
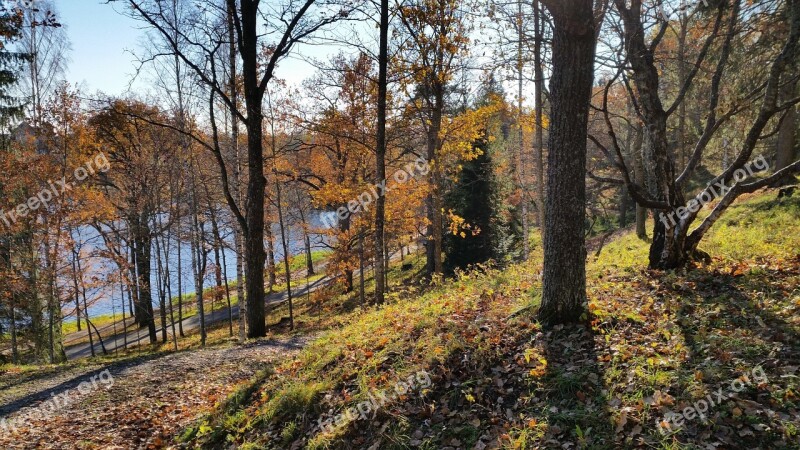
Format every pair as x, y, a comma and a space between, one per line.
105, 43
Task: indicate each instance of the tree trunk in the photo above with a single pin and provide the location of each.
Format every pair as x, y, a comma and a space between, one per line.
539, 109
14, 348
256, 183
666, 248
180, 286
306, 239
217, 260
380, 152
227, 292
168, 285
237, 173
162, 291
638, 174
76, 269
520, 175
197, 267
433, 201
240, 294
143, 251
271, 271
344, 227
564, 274
785, 152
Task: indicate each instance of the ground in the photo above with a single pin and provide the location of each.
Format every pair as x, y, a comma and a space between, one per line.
634, 373
151, 399
653, 346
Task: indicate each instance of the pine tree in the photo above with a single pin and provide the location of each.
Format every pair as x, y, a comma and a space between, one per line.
11, 107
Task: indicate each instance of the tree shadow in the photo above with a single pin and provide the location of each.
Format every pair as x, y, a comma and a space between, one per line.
116, 368
574, 402
733, 324
71, 384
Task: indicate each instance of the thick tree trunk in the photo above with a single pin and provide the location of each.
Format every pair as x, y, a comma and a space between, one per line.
256, 183
143, 251
564, 274
665, 251
254, 255
380, 152
433, 202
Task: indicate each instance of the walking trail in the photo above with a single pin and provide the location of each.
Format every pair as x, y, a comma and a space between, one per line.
149, 401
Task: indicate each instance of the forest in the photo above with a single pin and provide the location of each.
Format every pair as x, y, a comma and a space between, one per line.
433, 224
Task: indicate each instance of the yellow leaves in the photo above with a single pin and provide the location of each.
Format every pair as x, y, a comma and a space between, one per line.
470, 398
459, 133
541, 368
698, 375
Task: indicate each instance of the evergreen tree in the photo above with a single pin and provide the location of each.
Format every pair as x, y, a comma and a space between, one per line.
470, 242
11, 107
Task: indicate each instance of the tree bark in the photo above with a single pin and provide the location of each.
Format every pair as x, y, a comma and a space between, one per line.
380, 152
143, 251
786, 148
564, 274
271, 268
433, 201
539, 109
253, 235
638, 174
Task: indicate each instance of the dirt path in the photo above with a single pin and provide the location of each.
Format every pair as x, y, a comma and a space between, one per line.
139, 404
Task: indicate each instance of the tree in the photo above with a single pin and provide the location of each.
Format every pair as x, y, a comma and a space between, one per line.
470, 240
45, 39
564, 273
142, 153
380, 151
436, 38
667, 189
188, 41
11, 64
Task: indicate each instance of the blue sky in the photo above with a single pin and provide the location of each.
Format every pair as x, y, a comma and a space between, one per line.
102, 42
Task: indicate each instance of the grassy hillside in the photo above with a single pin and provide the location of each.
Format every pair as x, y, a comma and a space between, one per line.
464, 366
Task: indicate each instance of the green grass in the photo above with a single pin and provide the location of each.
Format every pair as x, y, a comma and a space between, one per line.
298, 262
106, 322
98, 321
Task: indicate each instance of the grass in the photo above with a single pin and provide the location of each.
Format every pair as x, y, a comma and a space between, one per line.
106, 323
652, 343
